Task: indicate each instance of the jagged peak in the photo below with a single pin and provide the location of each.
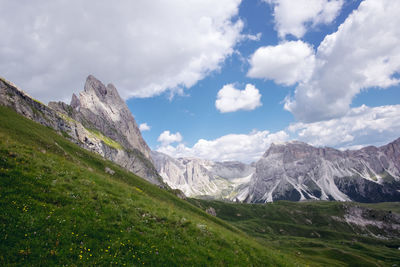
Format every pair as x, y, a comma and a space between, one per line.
75, 103
104, 93
94, 85
292, 146
287, 143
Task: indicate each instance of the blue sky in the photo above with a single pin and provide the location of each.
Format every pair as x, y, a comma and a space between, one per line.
194, 114
224, 79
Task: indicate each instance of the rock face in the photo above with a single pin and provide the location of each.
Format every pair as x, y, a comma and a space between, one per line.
297, 171
15, 98
292, 171
198, 177
102, 108
98, 121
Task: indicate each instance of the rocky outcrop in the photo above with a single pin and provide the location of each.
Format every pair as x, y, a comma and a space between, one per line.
98, 121
198, 177
100, 107
12, 96
297, 171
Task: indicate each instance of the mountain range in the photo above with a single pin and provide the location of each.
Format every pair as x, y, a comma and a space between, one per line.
291, 171
100, 121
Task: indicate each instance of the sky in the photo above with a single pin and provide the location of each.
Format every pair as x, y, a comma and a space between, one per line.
219, 80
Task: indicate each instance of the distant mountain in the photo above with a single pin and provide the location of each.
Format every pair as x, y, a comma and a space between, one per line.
297, 171
291, 171
98, 120
198, 177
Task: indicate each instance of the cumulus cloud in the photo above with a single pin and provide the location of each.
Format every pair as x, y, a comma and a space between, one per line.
231, 147
144, 127
143, 47
357, 128
286, 63
167, 138
295, 17
230, 99
363, 53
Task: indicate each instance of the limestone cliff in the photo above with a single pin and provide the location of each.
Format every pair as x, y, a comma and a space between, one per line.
98, 121
297, 171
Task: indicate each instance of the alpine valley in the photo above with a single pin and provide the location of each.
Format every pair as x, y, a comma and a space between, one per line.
80, 186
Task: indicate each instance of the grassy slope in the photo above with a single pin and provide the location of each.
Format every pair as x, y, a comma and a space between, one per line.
307, 230
59, 207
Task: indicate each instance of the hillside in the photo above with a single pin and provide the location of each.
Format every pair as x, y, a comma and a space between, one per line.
63, 205
323, 233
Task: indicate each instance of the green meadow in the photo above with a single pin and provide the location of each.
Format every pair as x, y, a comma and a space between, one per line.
59, 207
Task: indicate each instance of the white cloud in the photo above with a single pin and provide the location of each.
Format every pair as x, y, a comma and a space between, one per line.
230, 99
144, 127
357, 128
295, 17
363, 53
360, 127
252, 37
240, 147
286, 63
167, 138
143, 47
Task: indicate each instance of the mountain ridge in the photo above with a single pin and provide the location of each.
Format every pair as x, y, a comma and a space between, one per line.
298, 171
199, 177
90, 124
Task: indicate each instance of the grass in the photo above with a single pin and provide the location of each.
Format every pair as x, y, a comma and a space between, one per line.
58, 206
309, 231
108, 141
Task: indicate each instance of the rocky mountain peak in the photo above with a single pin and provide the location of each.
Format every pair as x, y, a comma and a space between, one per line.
75, 103
199, 177
98, 120
100, 108
107, 112
102, 99
93, 85
294, 149
288, 145
298, 171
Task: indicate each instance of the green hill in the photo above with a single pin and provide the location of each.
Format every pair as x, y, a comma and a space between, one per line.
60, 205
317, 233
